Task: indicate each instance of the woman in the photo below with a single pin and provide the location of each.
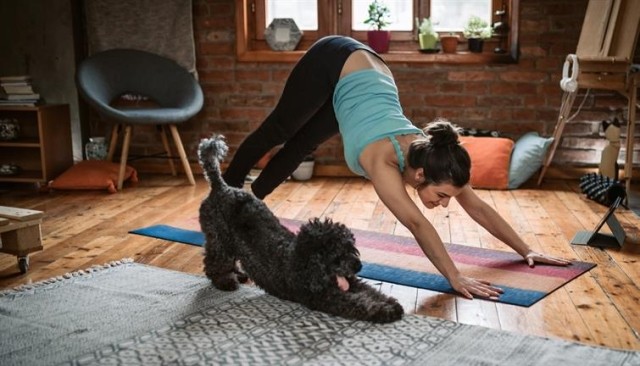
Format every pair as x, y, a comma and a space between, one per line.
341, 85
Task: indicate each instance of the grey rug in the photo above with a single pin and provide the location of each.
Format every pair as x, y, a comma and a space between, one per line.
128, 313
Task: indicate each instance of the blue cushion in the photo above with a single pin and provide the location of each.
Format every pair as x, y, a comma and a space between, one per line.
527, 157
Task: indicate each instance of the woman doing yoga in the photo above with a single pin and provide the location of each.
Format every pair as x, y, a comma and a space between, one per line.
342, 86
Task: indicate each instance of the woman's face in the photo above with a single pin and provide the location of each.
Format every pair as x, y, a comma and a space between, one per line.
437, 195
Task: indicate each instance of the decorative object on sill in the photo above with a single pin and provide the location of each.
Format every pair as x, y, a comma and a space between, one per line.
96, 148
9, 169
501, 30
304, 171
378, 38
449, 43
9, 129
427, 36
476, 31
283, 34
609, 160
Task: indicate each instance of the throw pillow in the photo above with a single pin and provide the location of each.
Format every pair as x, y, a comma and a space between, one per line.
528, 155
490, 157
93, 174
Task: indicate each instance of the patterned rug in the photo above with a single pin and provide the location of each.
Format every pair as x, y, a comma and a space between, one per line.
399, 260
128, 313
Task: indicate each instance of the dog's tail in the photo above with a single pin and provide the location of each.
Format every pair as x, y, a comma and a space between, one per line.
210, 152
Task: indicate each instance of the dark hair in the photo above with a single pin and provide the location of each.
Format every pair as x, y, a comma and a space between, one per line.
441, 156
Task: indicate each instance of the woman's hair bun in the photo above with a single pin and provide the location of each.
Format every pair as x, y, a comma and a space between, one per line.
442, 133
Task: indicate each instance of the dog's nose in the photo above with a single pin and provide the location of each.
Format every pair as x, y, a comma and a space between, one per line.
357, 266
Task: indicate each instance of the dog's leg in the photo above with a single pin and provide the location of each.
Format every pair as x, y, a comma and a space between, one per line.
220, 266
363, 302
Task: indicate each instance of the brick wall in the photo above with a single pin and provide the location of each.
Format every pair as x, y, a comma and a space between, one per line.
510, 98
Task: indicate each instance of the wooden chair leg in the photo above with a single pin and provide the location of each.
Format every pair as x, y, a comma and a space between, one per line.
167, 149
113, 142
125, 155
181, 152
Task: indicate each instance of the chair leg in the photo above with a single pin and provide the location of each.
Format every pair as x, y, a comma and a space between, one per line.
165, 143
113, 142
181, 152
125, 155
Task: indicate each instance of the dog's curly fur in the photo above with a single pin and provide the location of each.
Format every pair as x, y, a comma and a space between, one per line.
302, 268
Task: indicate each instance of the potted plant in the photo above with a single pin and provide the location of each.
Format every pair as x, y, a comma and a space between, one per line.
378, 38
304, 171
449, 42
476, 31
427, 36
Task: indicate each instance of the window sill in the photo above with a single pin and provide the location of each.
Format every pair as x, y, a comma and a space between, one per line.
390, 57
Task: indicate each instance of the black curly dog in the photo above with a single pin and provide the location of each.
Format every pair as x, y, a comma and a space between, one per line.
316, 268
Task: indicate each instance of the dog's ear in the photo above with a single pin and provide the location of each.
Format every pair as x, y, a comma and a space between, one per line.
310, 256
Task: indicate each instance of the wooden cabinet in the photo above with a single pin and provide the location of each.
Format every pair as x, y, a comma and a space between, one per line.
43, 149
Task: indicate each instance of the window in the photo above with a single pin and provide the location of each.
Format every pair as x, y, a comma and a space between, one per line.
318, 18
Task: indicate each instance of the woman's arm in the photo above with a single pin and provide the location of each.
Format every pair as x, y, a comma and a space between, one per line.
391, 189
489, 219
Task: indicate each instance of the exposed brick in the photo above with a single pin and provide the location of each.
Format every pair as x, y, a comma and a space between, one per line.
514, 99
524, 76
253, 75
451, 100
471, 76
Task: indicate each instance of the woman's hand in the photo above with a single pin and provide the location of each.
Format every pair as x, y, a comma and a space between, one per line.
468, 287
533, 257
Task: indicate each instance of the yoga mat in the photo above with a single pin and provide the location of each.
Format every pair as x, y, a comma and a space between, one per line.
399, 260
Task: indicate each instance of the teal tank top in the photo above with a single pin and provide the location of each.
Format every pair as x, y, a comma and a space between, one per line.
368, 109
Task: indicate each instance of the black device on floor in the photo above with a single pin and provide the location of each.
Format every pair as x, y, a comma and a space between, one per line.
601, 240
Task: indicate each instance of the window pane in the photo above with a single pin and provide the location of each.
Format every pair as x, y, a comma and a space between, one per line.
451, 15
304, 12
401, 14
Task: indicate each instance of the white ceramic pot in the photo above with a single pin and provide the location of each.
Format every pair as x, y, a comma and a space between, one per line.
304, 171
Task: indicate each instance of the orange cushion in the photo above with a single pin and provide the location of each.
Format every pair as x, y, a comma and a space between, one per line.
93, 174
490, 158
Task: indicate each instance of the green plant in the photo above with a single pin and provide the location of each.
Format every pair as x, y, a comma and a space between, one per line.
378, 15
477, 27
426, 27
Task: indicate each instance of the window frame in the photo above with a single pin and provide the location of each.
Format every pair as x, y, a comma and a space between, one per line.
253, 48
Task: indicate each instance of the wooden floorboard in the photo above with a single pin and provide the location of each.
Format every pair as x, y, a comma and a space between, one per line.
601, 307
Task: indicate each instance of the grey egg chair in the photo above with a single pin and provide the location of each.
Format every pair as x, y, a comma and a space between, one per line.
176, 95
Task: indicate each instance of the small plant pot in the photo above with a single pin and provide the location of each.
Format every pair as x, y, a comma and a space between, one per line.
427, 41
449, 43
475, 45
379, 40
304, 171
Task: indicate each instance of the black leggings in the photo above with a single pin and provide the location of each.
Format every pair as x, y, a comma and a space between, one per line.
302, 119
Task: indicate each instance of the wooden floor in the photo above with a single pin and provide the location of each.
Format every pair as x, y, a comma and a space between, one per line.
602, 307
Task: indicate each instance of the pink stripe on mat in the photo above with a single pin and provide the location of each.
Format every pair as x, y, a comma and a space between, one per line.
490, 258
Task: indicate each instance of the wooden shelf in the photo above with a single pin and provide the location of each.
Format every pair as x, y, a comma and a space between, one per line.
43, 151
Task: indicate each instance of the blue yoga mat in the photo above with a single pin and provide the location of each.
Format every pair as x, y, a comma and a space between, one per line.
391, 274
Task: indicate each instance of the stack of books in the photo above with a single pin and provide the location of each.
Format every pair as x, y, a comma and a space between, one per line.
17, 91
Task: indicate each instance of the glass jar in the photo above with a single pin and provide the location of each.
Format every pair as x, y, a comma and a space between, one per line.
96, 148
9, 129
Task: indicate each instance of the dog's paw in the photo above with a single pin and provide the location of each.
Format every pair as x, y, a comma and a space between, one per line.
387, 312
228, 282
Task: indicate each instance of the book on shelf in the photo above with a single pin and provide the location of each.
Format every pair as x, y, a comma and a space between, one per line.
19, 103
32, 96
17, 91
15, 79
16, 88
